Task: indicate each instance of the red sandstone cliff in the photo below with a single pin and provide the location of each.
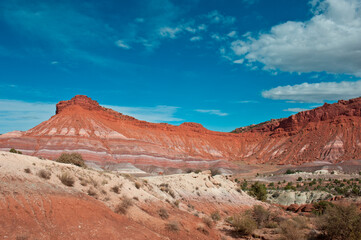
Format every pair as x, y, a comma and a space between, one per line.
328, 133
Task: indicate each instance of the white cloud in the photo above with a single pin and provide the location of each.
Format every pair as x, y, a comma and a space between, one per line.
122, 44
315, 92
168, 32
212, 111
216, 17
195, 38
295, 110
159, 113
329, 41
239, 61
232, 34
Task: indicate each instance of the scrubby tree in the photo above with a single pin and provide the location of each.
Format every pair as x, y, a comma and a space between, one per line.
259, 191
71, 158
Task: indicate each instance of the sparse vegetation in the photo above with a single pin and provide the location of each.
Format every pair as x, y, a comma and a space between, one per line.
172, 226
92, 192
215, 171
115, 189
124, 205
215, 216
44, 174
207, 221
243, 224
163, 213
27, 170
341, 222
260, 215
291, 231
71, 158
67, 179
13, 150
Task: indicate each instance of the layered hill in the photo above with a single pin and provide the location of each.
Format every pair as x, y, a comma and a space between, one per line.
329, 133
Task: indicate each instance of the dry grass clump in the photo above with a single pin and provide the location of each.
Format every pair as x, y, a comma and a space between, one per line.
164, 187
215, 216
207, 221
172, 226
124, 205
261, 215
27, 170
163, 213
202, 229
243, 224
291, 231
115, 189
67, 179
71, 158
92, 192
44, 174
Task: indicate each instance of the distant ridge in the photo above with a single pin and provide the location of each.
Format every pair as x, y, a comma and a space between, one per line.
330, 133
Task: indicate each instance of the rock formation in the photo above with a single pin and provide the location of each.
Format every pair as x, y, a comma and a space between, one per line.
329, 133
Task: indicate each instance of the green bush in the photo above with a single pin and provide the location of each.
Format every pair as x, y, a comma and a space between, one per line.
341, 222
13, 150
320, 207
71, 158
259, 191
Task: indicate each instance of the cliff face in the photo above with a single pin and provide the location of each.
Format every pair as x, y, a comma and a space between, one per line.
329, 133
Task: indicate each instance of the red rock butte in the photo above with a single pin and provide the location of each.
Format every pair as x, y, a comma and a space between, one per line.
329, 133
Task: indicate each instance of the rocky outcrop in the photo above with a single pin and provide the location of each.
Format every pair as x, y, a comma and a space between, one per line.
329, 133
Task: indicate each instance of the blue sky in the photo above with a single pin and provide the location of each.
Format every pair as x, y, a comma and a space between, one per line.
224, 64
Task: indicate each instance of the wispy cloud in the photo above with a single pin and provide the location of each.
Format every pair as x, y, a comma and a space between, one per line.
315, 92
20, 115
161, 113
295, 110
212, 112
195, 39
122, 44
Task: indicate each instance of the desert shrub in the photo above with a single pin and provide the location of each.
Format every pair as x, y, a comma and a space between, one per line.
215, 216
271, 224
124, 205
176, 203
27, 170
260, 215
207, 221
115, 189
259, 191
244, 185
66, 179
202, 229
13, 150
302, 222
341, 222
172, 226
320, 207
289, 171
299, 179
44, 174
71, 158
92, 192
163, 213
243, 225
290, 230
215, 171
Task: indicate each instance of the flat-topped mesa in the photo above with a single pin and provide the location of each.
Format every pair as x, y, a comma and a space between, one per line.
79, 100
327, 112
